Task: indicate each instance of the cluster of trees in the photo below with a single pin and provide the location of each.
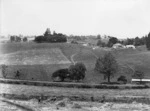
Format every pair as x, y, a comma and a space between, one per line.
52, 38
18, 39
145, 40
134, 41
74, 72
106, 65
112, 40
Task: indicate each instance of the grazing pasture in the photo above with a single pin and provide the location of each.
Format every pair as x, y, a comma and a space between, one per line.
37, 61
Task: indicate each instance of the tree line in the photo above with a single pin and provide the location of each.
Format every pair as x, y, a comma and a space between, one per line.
51, 38
137, 41
18, 39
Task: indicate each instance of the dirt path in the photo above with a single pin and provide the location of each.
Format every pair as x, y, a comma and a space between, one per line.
72, 58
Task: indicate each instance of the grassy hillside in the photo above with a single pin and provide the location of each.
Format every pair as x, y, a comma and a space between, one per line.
33, 57
128, 59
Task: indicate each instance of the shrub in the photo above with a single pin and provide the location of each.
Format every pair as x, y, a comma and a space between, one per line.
4, 68
17, 74
122, 79
25, 39
62, 74
77, 71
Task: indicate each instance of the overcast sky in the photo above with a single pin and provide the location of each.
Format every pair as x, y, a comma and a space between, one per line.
120, 18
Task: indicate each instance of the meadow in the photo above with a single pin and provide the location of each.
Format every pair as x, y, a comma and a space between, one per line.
52, 53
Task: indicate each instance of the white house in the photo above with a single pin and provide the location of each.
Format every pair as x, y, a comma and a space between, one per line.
118, 45
130, 46
85, 44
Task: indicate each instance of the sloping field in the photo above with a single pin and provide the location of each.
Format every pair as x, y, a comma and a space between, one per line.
34, 57
37, 63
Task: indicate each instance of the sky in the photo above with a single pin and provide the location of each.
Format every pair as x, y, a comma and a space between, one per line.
118, 18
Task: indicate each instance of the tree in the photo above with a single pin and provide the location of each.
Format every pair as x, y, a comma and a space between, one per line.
47, 32
138, 75
148, 41
17, 74
25, 39
18, 39
4, 68
12, 38
98, 36
129, 41
107, 65
137, 41
101, 43
55, 38
112, 40
122, 79
77, 71
62, 74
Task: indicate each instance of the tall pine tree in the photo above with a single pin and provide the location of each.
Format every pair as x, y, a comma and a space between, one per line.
148, 41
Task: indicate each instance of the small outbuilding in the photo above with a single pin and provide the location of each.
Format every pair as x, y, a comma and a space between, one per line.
130, 46
118, 45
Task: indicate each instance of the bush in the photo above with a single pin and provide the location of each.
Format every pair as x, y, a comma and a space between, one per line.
4, 68
77, 71
25, 39
62, 74
122, 79
17, 74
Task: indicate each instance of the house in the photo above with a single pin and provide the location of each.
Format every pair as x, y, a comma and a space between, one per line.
95, 47
130, 46
118, 45
85, 44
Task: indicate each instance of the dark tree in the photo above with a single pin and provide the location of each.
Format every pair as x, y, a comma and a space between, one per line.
17, 74
55, 38
148, 41
47, 32
25, 39
62, 74
12, 38
101, 43
18, 39
112, 40
122, 79
4, 68
137, 41
107, 65
77, 71
98, 36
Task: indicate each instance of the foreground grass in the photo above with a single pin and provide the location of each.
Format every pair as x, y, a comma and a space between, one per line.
29, 92
68, 105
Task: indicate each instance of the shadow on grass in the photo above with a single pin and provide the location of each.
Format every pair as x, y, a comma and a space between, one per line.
19, 106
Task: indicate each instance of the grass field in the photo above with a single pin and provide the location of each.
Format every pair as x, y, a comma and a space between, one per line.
128, 60
25, 98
